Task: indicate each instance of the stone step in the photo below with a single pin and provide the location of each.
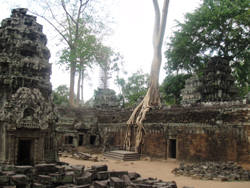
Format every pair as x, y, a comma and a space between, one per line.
122, 155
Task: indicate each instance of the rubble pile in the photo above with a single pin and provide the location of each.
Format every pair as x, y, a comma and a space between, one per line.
220, 171
64, 175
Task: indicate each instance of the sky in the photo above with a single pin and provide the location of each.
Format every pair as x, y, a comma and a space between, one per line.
132, 38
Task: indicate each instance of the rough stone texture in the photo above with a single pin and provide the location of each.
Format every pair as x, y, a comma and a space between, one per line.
217, 83
106, 99
218, 171
200, 133
27, 114
190, 93
87, 178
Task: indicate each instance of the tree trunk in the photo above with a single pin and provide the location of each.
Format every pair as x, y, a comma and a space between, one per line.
78, 89
152, 98
72, 84
82, 88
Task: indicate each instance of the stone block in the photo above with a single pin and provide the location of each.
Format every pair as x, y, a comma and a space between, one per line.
139, 180
100, 168
4, 180
133, 175
24, 169
78, 170
101, 184
61, 169
56, 178
7, 173
85, 179
68, 178
20, 180
44, 179
39, 185
118, 174
8, 167
46, 168
116, 182
102, 175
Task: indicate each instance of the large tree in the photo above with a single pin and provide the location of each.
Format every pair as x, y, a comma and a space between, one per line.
152, 98
216, 28
68, 18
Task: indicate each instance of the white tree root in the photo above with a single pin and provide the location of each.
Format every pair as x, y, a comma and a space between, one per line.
139, 114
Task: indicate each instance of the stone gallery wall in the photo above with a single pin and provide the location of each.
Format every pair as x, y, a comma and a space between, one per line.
201, 133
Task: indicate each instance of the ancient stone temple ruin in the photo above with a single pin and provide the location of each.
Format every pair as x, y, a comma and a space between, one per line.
190, 93
106, 99
217, 81
217, 84
27, 114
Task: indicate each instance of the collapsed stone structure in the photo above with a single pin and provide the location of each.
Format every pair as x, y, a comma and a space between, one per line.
63, 175
106, 99
27, 114
219, 171
217, 84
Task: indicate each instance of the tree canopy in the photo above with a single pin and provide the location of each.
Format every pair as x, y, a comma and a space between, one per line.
216, 28
172, 86
132, 88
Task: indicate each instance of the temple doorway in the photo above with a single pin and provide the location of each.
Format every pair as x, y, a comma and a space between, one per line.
25, 152
172, 148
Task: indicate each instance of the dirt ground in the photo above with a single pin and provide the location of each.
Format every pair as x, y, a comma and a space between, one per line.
158, 169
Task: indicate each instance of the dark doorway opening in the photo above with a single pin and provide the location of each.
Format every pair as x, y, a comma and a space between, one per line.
172, 148
92, 140
80, 143
68, 139
24, 152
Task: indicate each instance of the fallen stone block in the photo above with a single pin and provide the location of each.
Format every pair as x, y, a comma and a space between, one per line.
60, 169
44, 179
102, 175
100, 168
196, 177
56, 178
68, 178
78, 170
133, 175
101, 184
117, 183
85, 179
139, 180
24, 169
20, 180
8, 168
46, 168
39, 185
118, 174
4, 180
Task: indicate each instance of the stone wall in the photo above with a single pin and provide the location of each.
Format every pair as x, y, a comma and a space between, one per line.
201, 133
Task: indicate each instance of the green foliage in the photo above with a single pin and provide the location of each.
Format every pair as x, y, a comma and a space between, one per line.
172, 86
216, 28
61, 95
131, 89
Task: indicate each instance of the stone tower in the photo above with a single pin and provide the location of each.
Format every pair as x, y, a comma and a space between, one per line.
217, 82
27, 114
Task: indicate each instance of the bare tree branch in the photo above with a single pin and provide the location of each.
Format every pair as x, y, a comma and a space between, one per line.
64, 8
52, 26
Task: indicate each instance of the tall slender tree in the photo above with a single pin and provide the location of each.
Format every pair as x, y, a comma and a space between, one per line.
152, 98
